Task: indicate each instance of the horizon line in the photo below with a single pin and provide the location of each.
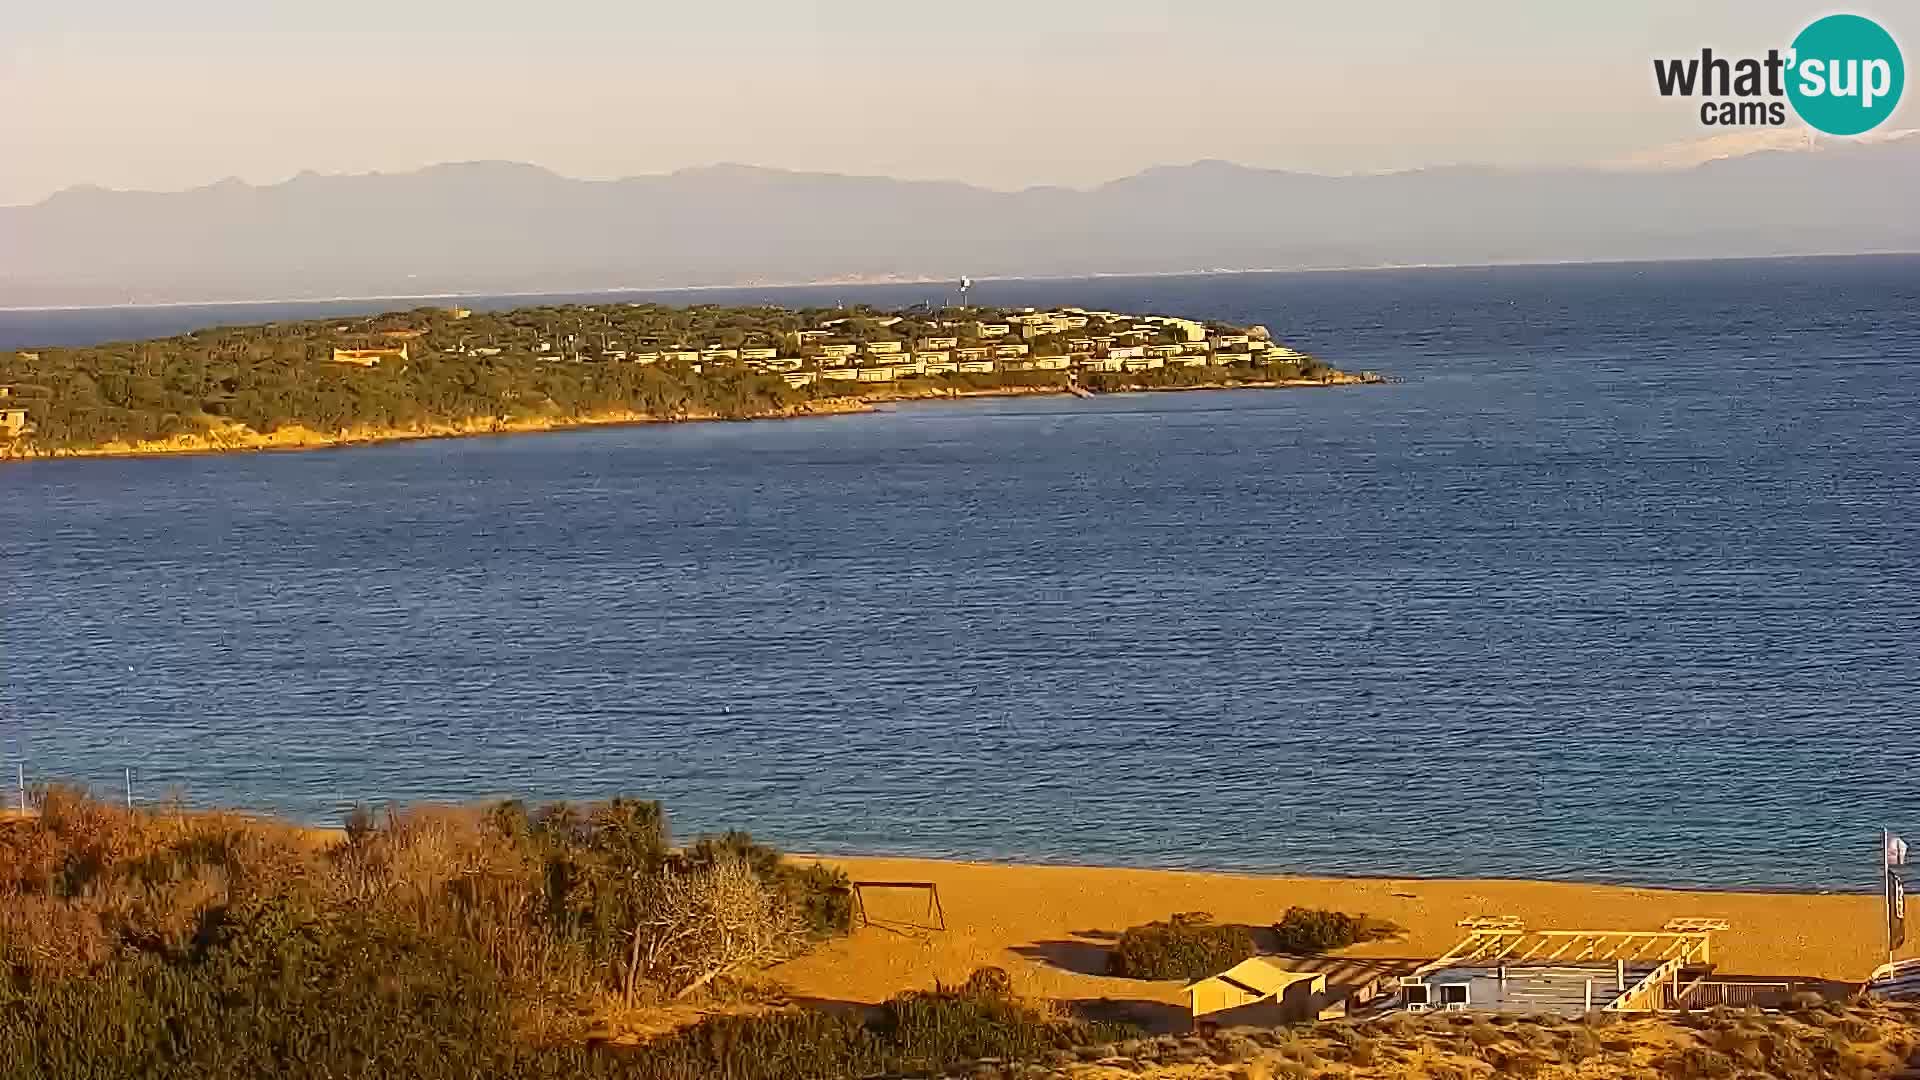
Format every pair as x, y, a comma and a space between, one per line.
875, 283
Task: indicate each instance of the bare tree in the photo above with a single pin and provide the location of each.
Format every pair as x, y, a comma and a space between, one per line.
697, 925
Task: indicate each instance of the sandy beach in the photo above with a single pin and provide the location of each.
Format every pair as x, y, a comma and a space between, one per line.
1048, 926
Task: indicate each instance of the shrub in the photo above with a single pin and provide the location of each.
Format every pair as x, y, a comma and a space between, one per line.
1582, 1044
1311, 930
822, 895
1700, 1062
915, 1032
201, 945
1483, 1034
989, 982
1188, 946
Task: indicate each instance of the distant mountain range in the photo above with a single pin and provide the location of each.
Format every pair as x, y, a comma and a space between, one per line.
493, 227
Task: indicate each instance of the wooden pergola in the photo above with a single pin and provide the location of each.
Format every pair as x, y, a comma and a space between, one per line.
1505, 941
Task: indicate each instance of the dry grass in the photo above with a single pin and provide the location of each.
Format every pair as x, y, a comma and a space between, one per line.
1855, 1041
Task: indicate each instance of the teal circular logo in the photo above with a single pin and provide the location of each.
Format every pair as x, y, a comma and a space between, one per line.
1846, 76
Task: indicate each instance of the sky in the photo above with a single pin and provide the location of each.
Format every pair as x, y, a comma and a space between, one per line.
1004, 93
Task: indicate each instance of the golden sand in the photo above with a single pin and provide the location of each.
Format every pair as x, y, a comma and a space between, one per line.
1049, 926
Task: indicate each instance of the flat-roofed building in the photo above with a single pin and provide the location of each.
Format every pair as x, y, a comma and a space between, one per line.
1188, 329
1503, 966
938, 342
976, 367
882, 348
370, 357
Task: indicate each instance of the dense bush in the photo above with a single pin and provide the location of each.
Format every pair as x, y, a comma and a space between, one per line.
1314, 930
918, 1031
274, 998
431, 942
1188, 946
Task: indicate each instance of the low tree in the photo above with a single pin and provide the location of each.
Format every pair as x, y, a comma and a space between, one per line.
704, 922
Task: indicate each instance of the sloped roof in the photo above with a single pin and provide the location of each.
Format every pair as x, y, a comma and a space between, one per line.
1260, 975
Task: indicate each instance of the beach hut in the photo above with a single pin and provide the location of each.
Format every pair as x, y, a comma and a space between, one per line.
1259, 992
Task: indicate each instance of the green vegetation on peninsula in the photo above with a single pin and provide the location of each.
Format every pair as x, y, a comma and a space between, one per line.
450, 371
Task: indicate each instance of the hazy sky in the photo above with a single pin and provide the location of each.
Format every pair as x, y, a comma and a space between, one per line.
135, 93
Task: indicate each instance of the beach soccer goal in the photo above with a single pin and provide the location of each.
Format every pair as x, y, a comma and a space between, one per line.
935, 914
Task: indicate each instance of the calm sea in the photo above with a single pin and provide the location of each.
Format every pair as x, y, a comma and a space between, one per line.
1620, 581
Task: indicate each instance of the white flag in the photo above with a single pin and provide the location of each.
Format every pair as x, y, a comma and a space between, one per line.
1896, 851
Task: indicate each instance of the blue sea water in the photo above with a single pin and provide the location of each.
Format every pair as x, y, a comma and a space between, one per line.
1619, 580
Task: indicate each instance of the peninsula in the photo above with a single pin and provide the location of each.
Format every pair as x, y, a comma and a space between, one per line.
452, 371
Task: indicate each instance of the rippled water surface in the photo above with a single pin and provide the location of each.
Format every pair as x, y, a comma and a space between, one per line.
1619, 582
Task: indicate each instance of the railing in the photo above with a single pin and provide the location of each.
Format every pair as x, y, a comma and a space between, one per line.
1702, 994
1651, 990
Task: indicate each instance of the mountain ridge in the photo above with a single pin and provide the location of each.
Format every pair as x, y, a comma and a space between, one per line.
502, 226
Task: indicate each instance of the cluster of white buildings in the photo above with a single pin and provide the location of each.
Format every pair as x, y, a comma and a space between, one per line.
1068, 339
1123, 343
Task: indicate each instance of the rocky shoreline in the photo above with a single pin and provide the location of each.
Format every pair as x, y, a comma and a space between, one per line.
236, 438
